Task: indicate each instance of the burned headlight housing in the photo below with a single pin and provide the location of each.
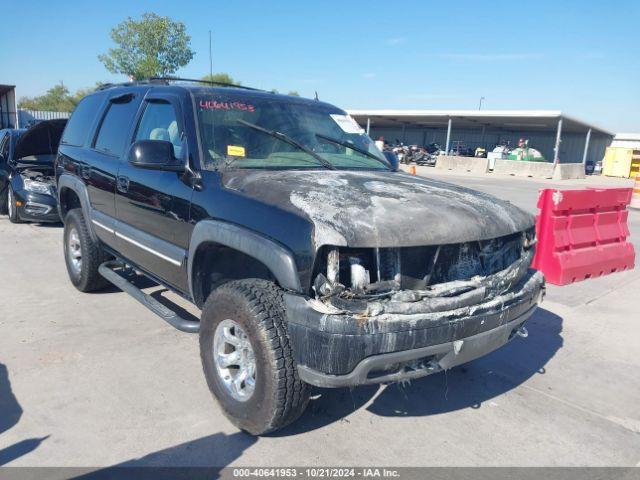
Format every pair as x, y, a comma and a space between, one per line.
358, 272
356, 269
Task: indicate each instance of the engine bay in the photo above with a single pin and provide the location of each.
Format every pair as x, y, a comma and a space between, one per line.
39, 174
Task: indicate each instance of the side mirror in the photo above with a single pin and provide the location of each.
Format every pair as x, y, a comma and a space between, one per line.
154, 155
392, 159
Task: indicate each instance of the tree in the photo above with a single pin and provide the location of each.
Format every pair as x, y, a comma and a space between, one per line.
57, 99
221, 77
83, 92
291, 93
154, 46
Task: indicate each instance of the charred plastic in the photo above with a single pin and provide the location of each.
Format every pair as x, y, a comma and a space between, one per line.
411, 280
369, 302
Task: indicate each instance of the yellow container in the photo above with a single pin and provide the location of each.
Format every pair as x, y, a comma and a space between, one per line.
621, 162
635, 164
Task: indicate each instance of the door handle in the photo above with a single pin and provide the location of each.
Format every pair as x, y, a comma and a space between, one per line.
85, 171
122, 184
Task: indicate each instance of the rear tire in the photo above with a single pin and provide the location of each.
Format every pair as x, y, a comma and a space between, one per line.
12, 208
255, 309
82, 254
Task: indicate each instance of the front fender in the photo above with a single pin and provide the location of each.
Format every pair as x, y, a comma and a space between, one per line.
275, 257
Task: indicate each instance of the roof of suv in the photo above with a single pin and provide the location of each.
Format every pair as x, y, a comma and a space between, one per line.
200, 89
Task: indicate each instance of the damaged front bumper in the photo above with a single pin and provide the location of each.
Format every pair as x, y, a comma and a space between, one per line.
345, 349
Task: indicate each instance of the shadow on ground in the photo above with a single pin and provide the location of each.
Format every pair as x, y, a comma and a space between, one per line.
466, 386
10, 413
214, 451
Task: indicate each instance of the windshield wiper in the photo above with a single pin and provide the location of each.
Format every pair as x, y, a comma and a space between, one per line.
287, 139
345, 144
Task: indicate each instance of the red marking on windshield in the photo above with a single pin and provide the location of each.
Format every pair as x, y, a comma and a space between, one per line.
216, 105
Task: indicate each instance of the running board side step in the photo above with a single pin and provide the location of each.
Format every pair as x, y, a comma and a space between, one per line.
169, 316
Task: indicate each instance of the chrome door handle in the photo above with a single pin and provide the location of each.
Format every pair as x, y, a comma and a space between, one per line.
122, 184
85, 172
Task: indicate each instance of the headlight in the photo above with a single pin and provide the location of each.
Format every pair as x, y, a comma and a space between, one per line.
37, 187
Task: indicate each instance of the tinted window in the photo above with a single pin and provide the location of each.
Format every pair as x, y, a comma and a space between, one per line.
112, 137
78, 125
159, 122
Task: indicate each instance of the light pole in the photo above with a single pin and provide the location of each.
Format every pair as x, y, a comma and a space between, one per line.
480, 104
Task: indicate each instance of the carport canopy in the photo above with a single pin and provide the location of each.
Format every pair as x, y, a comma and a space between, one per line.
505, 120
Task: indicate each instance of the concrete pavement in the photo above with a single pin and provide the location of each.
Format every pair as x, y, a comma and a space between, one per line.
97, 380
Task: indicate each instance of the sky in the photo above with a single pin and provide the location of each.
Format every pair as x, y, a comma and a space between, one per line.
580, 57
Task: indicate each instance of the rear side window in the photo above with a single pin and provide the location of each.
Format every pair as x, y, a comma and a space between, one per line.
81, 120
115, 126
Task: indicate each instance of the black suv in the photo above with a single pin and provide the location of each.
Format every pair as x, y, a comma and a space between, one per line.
312, 259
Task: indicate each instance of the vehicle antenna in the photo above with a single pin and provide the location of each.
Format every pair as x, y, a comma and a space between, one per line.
210, 59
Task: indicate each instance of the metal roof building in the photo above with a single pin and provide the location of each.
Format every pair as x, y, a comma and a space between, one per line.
8, 114
557, 136
627, 140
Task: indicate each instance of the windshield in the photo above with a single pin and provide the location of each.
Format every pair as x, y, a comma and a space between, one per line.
292, 134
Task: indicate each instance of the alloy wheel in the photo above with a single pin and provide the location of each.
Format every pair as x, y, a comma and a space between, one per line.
234, 360
74, 250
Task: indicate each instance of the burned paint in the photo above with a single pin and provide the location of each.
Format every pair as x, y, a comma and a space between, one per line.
381, 209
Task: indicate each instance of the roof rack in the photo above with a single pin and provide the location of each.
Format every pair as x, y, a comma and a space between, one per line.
104, 86
208, 82
167, 80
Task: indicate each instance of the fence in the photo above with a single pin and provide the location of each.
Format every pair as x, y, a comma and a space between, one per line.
27, 117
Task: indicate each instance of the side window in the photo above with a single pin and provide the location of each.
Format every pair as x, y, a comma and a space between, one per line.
114, 129
75, 133
159, 122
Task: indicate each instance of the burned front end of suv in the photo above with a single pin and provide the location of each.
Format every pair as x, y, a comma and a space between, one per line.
390, 314
410, 277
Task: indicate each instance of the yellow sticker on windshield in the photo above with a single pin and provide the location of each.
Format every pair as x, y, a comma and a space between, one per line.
235, 151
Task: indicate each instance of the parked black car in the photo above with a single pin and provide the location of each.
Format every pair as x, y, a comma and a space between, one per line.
312, 259
27, 181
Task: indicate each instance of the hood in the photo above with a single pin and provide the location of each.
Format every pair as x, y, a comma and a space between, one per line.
381, 209
41, 139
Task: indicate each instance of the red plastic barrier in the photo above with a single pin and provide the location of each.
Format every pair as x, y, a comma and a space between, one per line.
582, 234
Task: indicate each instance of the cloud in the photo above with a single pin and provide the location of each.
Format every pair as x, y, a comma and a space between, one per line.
369, 75
392, 42
490, 57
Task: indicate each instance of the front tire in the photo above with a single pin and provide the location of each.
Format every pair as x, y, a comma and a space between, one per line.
253, 376
82, 254
3, 200
12, 208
